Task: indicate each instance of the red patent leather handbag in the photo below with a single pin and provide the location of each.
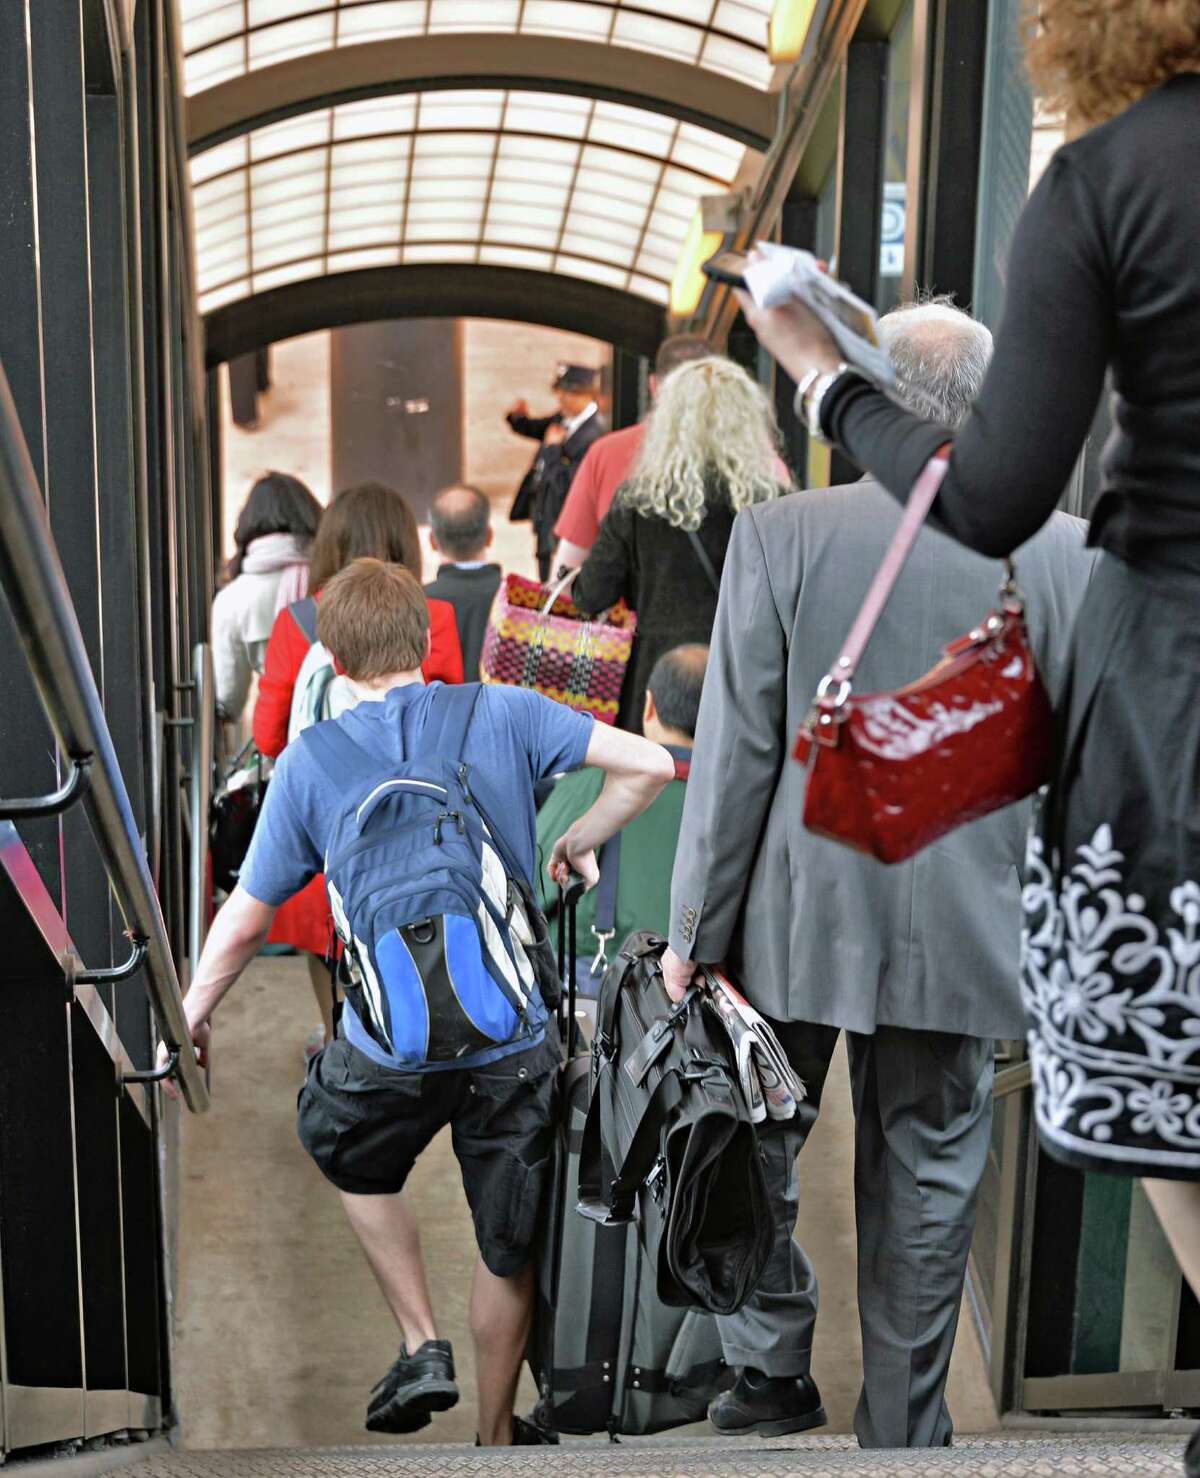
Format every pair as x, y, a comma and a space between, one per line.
891, 772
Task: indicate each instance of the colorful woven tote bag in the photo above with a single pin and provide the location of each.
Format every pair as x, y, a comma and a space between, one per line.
536, 638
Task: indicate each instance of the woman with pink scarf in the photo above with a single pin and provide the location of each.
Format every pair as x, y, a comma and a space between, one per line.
269, 570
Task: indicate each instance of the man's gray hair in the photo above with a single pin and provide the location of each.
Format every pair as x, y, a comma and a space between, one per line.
941, 356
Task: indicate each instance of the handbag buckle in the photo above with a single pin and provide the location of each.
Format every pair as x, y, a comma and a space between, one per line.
829, 709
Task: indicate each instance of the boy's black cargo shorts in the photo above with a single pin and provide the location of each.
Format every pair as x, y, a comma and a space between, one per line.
364, 1126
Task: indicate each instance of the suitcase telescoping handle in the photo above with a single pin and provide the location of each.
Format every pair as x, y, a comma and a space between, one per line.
569, 894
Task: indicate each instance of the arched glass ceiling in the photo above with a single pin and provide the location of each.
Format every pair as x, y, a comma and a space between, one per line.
226, 38
544, 181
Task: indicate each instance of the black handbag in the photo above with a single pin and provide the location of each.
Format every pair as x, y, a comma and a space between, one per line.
669, 1140
233, 815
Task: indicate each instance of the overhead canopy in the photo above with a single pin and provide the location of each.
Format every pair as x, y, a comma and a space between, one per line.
224, 39
549, 182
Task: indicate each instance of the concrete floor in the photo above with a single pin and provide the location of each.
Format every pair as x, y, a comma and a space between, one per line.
280, 1332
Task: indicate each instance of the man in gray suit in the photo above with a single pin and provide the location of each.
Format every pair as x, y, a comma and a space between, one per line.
917, 963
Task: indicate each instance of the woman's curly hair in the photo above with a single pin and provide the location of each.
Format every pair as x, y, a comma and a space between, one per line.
712, 432
1091, 58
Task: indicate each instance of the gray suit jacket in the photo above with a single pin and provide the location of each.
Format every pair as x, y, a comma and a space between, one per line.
812, 930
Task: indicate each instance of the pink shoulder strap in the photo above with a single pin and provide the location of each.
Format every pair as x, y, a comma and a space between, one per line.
916, 510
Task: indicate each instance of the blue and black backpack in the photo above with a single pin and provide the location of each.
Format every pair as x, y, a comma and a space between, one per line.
445, 950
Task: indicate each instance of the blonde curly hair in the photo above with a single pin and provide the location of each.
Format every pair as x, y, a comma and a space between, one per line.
1091, 58
712, 428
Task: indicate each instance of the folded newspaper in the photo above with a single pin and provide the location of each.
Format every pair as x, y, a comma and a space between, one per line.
782, 272
770, 1087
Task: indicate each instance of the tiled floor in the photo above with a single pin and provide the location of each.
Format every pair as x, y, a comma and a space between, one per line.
980, 1457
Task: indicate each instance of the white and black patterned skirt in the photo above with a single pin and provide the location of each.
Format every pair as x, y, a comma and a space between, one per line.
1111, 949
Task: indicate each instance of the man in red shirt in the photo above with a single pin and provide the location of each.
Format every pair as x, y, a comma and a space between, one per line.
609, 461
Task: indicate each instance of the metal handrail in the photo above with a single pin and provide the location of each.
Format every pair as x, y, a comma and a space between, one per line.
204, 714
1012, 1080
48, 628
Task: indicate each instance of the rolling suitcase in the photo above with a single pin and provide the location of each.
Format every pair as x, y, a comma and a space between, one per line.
607, 1354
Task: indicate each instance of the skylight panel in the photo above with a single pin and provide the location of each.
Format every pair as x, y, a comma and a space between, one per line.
493, 176
566, 18
596, 244
354, 261
207, 24
449, 251
657, 34
218, 160
591, 271
649, 287
516, 256
228, 292
294, 133
737, 59
291, 272
375, 116
474, 15
387, 20
280, 43
214, 65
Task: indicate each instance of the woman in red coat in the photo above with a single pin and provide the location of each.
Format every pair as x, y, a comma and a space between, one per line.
368, 520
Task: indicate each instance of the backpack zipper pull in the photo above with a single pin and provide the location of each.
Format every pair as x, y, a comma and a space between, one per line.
437, 827
459, 822
462, 780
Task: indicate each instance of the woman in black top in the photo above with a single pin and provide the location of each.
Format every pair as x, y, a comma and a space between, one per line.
1104, 277
709, 451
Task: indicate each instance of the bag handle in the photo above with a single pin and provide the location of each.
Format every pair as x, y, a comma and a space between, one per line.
916, 510
557, 589
702, 555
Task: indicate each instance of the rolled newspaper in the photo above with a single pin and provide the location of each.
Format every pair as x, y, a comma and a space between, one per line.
769, 1086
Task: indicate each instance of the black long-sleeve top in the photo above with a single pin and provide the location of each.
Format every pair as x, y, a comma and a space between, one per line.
1104, 273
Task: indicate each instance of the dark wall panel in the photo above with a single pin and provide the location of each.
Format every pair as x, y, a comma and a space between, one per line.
56, 52
396, 406
98, 1176
37, 1190
25, 739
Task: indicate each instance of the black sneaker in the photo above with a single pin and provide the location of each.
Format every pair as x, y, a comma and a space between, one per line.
415, 1386
526, 1433
769, 1406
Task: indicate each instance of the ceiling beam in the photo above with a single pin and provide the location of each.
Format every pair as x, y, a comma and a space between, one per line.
538, 63
548, 298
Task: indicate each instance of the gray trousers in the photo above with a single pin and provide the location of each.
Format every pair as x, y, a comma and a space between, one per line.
923, 1114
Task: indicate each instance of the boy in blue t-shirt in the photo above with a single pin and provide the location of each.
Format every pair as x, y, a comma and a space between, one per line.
363, 1120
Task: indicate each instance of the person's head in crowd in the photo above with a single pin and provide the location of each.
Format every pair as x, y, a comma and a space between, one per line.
367, 520
711, 434
277, 504
574, 387
460, 524
673, 695
940, 355
1089, 62
374, 618
677, 350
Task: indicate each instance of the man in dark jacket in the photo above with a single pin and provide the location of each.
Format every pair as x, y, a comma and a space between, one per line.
565, 437
460, 528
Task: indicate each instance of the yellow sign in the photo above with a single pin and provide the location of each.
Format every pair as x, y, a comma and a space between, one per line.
788, 27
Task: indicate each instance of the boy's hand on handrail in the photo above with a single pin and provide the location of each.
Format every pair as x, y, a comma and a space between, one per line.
201, 1042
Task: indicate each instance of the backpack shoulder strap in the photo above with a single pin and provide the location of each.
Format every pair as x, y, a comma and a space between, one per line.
304, 614
445, 731
336, 753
